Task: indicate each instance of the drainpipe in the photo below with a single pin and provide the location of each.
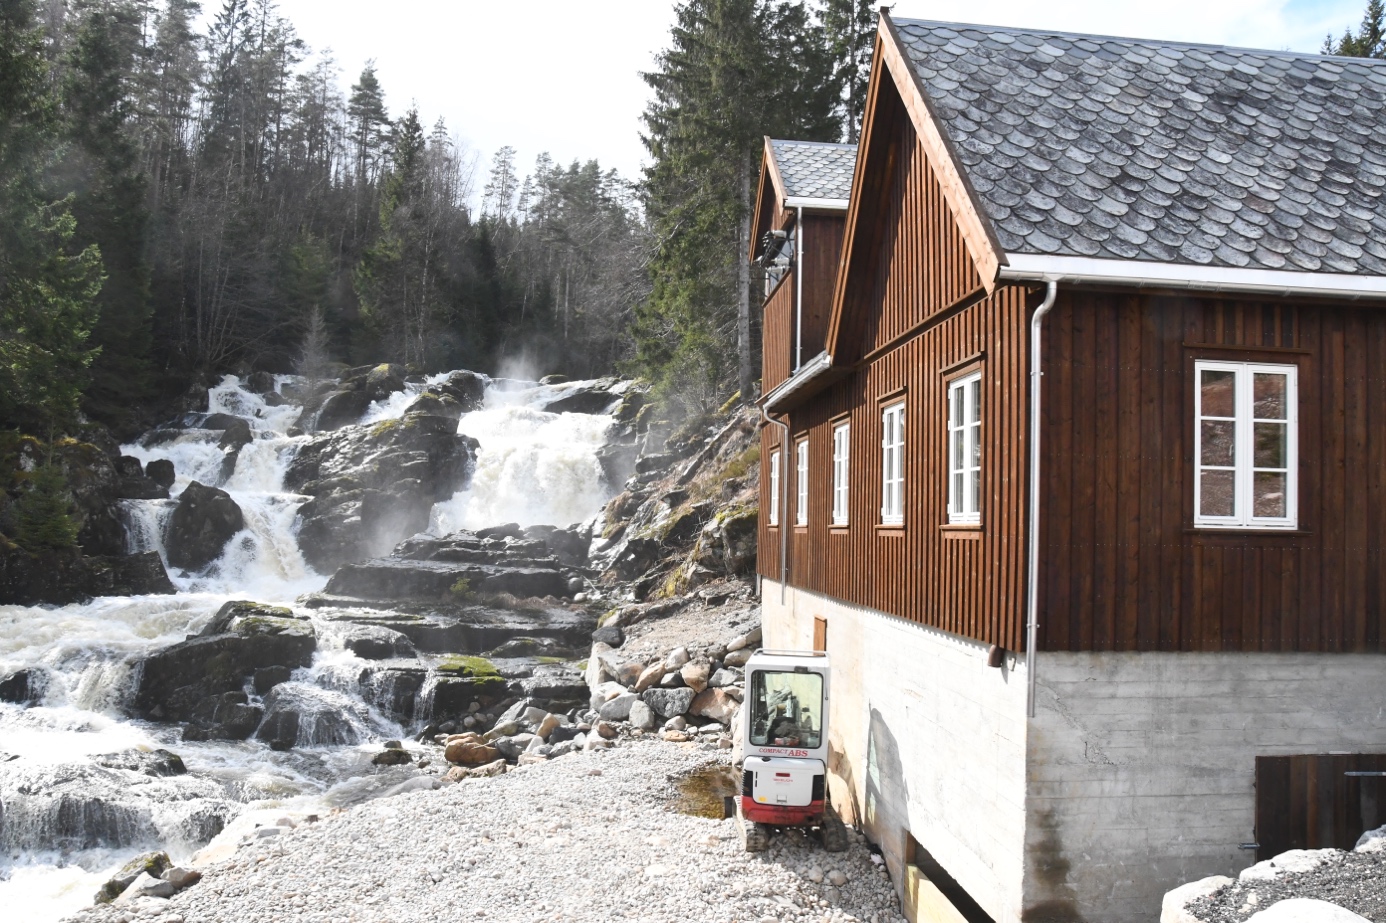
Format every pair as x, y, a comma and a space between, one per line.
1032, 577
799, 291
784, 498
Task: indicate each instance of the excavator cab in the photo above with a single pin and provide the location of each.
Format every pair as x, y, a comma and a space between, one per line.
785, 730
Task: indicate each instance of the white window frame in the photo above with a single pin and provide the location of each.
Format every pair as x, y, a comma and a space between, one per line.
842, 454
801, 481
1244, 461
775, 487
893, 464
964, 456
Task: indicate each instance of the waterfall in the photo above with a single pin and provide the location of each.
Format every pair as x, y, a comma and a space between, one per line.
67, 818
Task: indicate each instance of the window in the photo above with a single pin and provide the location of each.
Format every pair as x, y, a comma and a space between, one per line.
842, 448
893, 464
801, 482
965, 449
1245, 445
775, 486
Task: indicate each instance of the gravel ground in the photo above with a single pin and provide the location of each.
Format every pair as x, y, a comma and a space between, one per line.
692, 626
587, 837
1354, 880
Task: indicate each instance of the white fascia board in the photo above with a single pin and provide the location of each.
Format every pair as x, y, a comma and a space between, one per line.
800, 201
807, 372
1040, 268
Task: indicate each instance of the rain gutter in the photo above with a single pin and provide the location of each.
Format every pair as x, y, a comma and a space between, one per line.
1032, 566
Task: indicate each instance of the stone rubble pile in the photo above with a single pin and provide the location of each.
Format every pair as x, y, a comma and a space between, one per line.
1298, 886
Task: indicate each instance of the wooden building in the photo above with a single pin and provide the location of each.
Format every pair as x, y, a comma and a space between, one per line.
1083, 621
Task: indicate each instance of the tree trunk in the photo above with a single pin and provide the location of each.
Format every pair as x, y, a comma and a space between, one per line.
743, 284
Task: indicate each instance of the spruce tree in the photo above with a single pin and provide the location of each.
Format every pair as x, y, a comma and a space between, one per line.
1370, 40
43, 514
48, 285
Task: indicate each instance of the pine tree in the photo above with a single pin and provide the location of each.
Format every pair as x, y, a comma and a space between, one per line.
369, 122
102, 167
736, 71
850, 29
48, 285
43, 513
498, 198
1370, 40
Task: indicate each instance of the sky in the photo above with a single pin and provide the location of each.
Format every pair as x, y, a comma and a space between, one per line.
563, 76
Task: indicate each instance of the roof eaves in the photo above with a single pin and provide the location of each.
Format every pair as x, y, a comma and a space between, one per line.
1144, 274
799, 201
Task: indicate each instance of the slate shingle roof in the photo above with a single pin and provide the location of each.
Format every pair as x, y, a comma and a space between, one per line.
1121, 148
816, 170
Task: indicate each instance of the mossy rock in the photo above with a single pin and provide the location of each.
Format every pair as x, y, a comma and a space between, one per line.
384, 428
468, 665
153, 863
269, 625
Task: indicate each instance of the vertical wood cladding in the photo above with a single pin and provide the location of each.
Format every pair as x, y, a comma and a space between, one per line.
967, 581
1123, 568
777, 336
822, 248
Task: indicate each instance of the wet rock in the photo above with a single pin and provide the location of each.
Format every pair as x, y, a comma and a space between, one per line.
373, 642
205, 520
155, 763
228, 716
127, 575
236, 436
596, 398
242, 638
300, 715
570, 546
392, 757
128, 466
467, 388
341, 408
266, 678
391, 579
668, 702
374, 485
161, 472
24, 687
384, 380
152, 864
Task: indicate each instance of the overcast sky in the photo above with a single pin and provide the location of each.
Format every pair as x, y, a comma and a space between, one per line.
563, 76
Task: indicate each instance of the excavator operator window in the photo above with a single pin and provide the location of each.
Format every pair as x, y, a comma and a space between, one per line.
787, 709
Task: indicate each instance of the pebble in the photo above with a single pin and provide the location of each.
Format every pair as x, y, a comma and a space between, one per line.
589, 838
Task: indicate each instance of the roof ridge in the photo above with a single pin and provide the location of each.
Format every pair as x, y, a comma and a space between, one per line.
1020, 30
814, 143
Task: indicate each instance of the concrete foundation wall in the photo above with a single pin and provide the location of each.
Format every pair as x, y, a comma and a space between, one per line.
925, 740
1141, 766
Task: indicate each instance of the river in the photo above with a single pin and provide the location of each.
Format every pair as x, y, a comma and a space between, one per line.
59, 844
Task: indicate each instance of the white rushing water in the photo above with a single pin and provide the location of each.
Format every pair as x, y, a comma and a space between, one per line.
532, 467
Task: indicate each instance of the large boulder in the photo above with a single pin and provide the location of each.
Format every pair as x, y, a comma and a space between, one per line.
24, 687
596, 397
128, 575
61, 577
242, 638
668, 702
204, 521
373, 485
341, 408
384, 380
375, 642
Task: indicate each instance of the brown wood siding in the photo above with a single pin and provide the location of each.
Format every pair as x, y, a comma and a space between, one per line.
1123, 568
777, 335
1310, 801
822, 236
969, 582
911, 261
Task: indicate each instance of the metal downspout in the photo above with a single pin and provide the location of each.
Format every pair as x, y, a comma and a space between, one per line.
1032, 576
784, 498
799, 291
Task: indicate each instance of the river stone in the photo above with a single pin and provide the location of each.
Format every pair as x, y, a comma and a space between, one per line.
384, 380
342, 408
374, 642
695, 674
618, 708
649, 676
716, 704
150, 863
668, 702
642, 716
158, 763
470, 753
146, 885
237, 436
204, 521
24, 687
161, 472
392, 757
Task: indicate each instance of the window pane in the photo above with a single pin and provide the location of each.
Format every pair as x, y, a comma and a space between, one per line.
1268, 498
957, 493
955, 411
976, 446
974, 501
975, 387
1269, 393
1217, 493
956, 438
1219, 442
1219, 393
1270, 445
